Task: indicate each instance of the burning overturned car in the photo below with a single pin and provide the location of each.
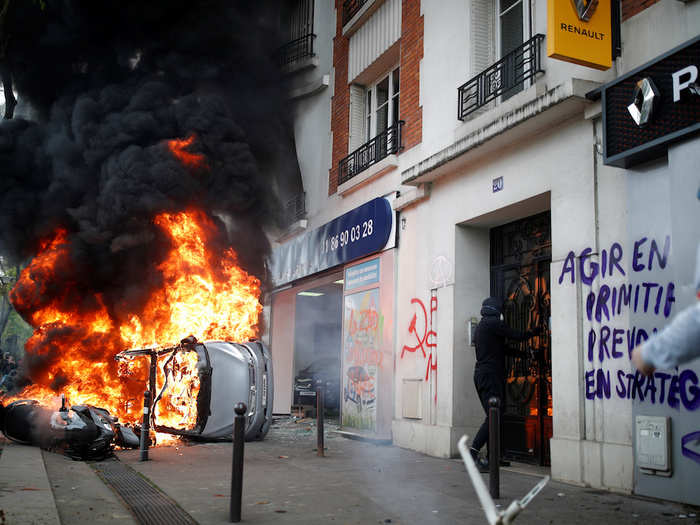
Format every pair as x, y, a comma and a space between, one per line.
196, 386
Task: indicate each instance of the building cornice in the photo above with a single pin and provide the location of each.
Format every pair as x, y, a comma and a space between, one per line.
554, 105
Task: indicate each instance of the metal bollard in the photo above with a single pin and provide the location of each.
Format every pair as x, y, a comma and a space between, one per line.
319, 418
494, 447
237, 469
145, 426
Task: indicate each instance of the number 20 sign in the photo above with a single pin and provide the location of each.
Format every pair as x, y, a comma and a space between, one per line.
497, 184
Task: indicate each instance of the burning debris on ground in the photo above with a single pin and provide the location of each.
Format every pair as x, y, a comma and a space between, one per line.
139, 188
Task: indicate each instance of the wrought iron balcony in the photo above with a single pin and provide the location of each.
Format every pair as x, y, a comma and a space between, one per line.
386, 143
350, 8
506, 75
296, 50
295, 208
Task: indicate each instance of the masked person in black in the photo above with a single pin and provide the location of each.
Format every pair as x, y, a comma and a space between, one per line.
490, 370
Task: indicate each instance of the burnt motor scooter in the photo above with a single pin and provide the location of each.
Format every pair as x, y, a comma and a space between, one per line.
82, 432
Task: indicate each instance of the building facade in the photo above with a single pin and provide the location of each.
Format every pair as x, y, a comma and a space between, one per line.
493, 169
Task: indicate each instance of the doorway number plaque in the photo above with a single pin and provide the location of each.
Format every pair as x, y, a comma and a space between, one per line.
497, 184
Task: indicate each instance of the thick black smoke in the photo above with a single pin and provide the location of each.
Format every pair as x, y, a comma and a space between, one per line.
107, 83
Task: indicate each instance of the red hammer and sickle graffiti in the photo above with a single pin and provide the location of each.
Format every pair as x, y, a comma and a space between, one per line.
412, 330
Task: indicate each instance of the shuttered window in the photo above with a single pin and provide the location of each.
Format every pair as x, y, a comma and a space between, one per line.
483, 35
511, 26
373, 109
357, 116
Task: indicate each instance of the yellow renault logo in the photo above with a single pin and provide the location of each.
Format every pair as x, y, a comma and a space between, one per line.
585, 8
579, 31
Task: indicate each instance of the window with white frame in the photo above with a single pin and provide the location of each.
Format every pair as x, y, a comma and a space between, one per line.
382, 105
374, 124
513, 23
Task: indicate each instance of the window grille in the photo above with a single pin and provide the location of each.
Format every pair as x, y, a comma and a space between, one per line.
300, 20
508, 74
385, 143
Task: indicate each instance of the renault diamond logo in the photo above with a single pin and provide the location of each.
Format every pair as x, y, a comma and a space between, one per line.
642, 106
585, 8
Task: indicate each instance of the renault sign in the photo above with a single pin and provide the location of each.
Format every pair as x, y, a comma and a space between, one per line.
652, 106
578, 31
585, 8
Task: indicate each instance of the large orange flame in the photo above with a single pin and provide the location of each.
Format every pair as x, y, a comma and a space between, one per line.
204, 293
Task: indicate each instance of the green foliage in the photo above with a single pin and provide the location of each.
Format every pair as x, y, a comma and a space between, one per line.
8, 277
11, 324
16, 326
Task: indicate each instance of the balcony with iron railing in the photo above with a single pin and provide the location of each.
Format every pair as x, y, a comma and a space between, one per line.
296, 51
503, 78
295, 208
351, 8
386, 143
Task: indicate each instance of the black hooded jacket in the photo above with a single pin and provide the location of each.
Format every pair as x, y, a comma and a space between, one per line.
490, 337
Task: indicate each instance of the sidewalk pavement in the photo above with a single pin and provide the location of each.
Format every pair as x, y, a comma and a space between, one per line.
284, 481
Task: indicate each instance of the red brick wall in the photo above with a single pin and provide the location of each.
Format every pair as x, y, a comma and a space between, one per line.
410, 110
340, 103
629, 8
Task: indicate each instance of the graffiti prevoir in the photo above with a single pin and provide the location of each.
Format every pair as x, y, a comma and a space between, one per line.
609, 344
362, 358
612, 345
422, 338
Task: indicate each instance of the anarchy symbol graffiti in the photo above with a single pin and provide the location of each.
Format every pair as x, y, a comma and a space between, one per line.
440, 271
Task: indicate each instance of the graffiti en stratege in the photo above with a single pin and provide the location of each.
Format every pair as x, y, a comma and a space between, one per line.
607, 342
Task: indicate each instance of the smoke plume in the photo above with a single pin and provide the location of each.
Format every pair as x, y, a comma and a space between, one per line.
104, 88
108, 84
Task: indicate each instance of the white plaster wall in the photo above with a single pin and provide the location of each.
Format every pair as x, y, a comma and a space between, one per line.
446, 66
472, 278
669, 188
651, 200
657, 29
604, 424
312, 114
454, 224
592, 439
313, 137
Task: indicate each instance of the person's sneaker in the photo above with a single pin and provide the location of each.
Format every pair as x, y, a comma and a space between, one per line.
481, 463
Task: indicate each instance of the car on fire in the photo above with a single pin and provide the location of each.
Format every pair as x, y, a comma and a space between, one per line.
228, 373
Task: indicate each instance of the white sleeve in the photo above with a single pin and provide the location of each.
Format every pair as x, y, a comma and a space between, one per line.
677, 343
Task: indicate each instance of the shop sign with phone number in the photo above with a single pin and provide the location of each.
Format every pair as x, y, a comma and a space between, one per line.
355, 234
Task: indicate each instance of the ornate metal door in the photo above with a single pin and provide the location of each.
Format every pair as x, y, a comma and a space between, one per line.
520, 258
